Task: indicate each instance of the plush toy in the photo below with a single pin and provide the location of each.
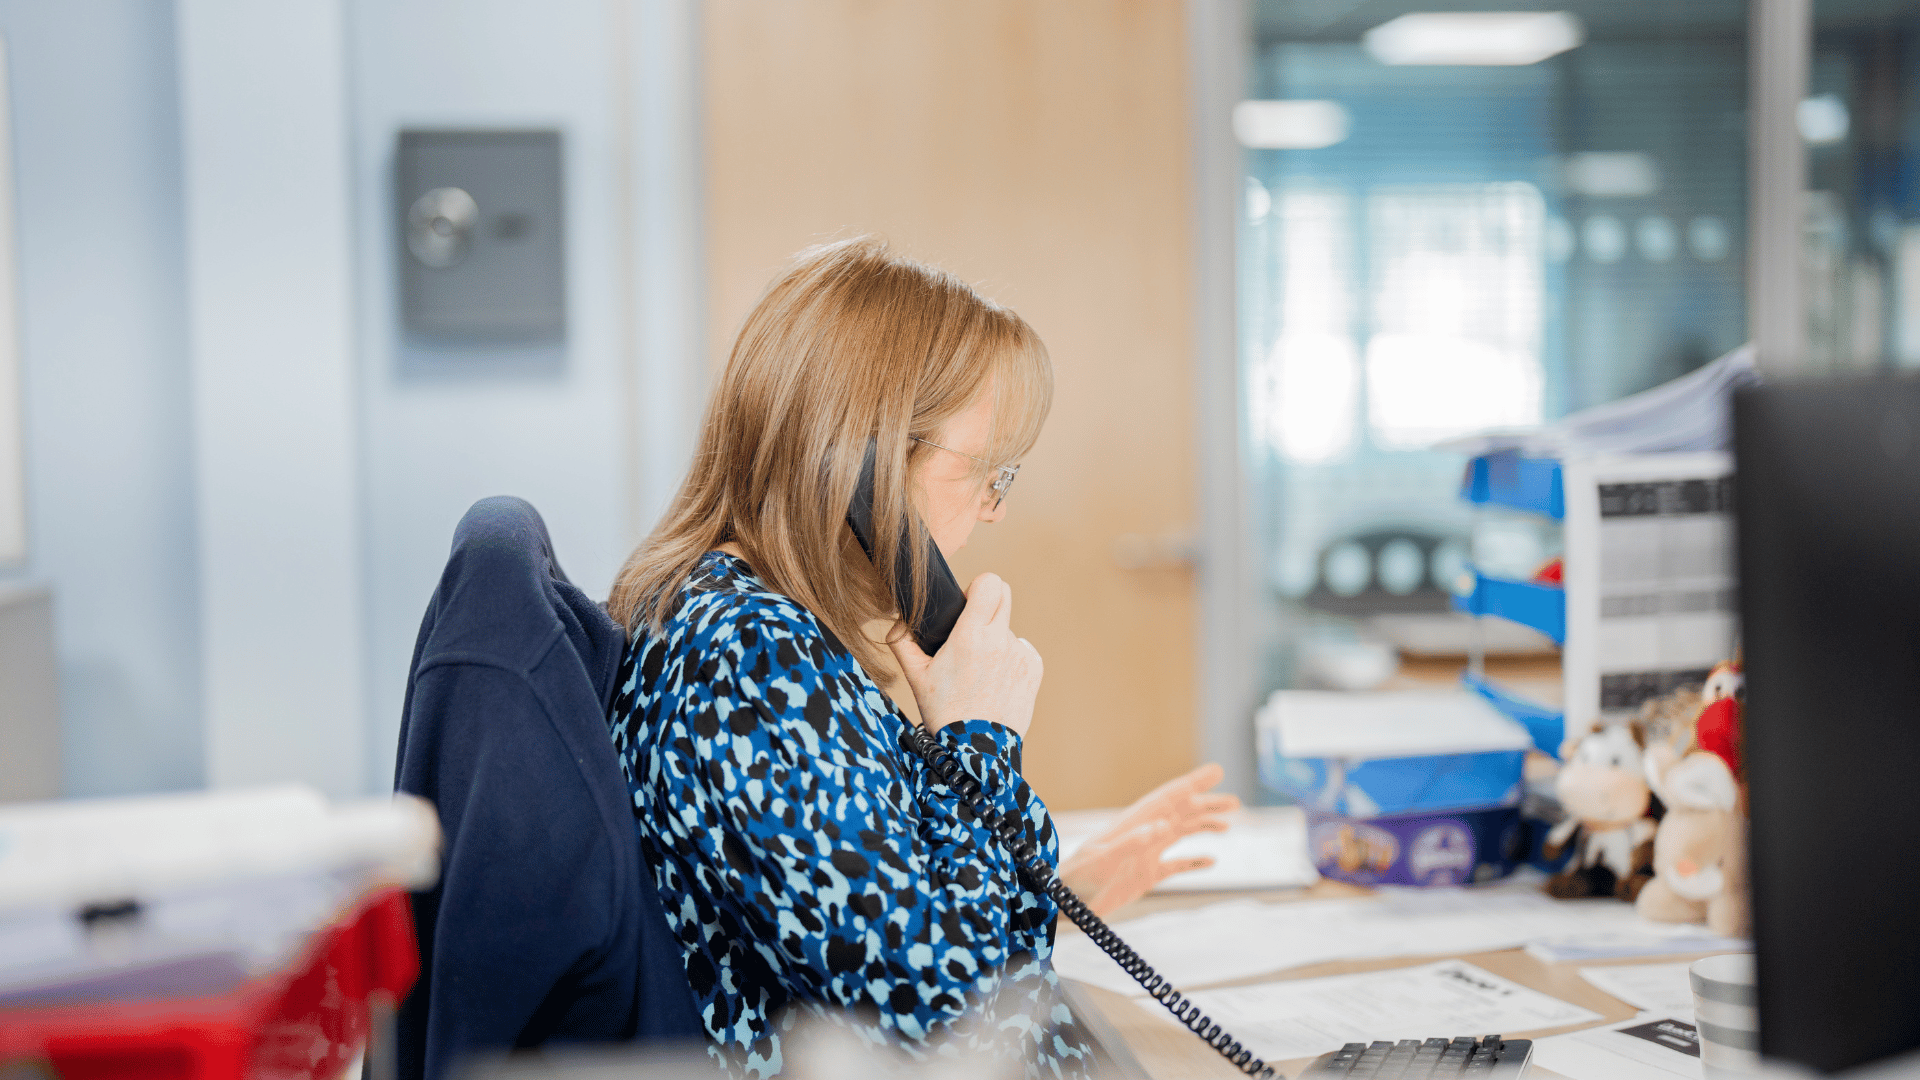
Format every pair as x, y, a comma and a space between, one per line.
1700, 853
1603, 788
1717, 730
1662, 720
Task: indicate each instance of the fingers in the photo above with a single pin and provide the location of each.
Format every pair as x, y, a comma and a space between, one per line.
986, 596
1003, 612
1155, 837
1180, 866
913, 660
1188, 784
1039, 665
1205, 776
1225, 803
1189, 826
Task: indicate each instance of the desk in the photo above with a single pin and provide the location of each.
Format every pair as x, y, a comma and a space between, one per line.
1166, 1052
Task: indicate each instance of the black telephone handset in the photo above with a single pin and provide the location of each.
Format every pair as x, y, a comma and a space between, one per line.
944, 602
945, 599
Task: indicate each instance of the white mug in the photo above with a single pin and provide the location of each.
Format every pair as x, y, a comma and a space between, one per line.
1726, 1011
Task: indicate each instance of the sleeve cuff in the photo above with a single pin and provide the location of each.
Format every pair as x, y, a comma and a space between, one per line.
985, 738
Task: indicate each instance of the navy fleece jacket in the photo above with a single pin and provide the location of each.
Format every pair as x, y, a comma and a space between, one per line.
544, 925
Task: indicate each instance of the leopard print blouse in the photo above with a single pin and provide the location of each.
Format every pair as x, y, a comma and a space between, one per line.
811, 866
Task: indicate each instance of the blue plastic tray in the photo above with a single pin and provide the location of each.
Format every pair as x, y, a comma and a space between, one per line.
1520, 483
1543, 607
1547, 726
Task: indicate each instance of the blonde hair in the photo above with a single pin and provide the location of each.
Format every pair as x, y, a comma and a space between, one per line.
850, 344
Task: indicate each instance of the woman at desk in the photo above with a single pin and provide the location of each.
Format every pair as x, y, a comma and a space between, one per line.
805, 858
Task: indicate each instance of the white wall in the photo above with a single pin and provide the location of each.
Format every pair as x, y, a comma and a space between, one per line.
593, 437
243, 510
103, 350
264, 127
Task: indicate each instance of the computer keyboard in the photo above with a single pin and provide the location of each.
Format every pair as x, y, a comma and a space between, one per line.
1491, 1058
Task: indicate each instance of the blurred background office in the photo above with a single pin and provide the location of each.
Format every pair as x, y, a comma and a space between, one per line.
1278, 250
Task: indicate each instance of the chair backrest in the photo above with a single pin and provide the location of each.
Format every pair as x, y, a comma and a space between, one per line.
545, 924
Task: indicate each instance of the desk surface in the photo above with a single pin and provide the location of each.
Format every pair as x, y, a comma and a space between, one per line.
1167, 1052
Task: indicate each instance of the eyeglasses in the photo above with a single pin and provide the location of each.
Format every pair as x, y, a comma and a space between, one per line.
1000, 483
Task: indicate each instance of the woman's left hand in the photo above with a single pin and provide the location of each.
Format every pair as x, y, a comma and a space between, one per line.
1121, 864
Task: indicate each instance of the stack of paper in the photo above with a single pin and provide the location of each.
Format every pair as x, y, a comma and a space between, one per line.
188, 894
1307, 1017
1692, 412
1243, 938
1386, 724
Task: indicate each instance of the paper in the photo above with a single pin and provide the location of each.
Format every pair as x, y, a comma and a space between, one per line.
1387, 724
1255, 856
1238, 939
1307, 1017
1262, 849
1644, 1048
1640, 939
1692, 412
1660, 988
1203, 945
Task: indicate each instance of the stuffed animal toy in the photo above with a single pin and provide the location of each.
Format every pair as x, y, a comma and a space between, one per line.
1663, 718
1604, 790
1700, 853
1717, 730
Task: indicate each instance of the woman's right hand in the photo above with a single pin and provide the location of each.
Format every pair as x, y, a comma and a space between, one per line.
983, 672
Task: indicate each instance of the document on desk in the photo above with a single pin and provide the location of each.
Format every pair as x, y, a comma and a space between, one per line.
1642, 939
1306, 1017
1265, 848
1647, 1047
1659, 988
1269, 853
1242, 938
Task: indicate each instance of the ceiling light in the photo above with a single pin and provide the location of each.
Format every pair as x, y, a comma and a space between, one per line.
1495, 38
1289, 125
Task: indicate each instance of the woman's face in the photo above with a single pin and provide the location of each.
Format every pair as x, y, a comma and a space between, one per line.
957, 496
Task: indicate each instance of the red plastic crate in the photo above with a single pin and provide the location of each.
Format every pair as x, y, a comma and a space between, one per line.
304, 1023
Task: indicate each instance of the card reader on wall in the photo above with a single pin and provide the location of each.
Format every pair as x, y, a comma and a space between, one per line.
481, 236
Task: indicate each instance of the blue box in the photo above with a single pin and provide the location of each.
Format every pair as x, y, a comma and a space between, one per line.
1368, 755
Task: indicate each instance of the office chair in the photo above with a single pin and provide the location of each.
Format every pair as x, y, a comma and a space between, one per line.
544, 926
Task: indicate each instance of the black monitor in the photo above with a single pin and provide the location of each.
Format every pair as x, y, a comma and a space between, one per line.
1828, 501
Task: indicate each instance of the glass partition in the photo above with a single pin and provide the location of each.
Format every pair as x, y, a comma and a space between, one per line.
1456, 221
1861, 128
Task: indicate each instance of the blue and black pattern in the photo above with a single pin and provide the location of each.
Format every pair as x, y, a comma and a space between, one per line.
806, 859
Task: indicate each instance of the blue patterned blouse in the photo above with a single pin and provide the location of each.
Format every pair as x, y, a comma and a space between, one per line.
806, 859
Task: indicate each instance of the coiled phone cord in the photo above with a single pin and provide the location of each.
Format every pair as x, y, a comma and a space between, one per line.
944, 765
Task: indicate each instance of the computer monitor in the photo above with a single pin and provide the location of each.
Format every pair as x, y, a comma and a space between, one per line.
1827, 498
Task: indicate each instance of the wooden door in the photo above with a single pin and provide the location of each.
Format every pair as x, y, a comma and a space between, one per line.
1041, 151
